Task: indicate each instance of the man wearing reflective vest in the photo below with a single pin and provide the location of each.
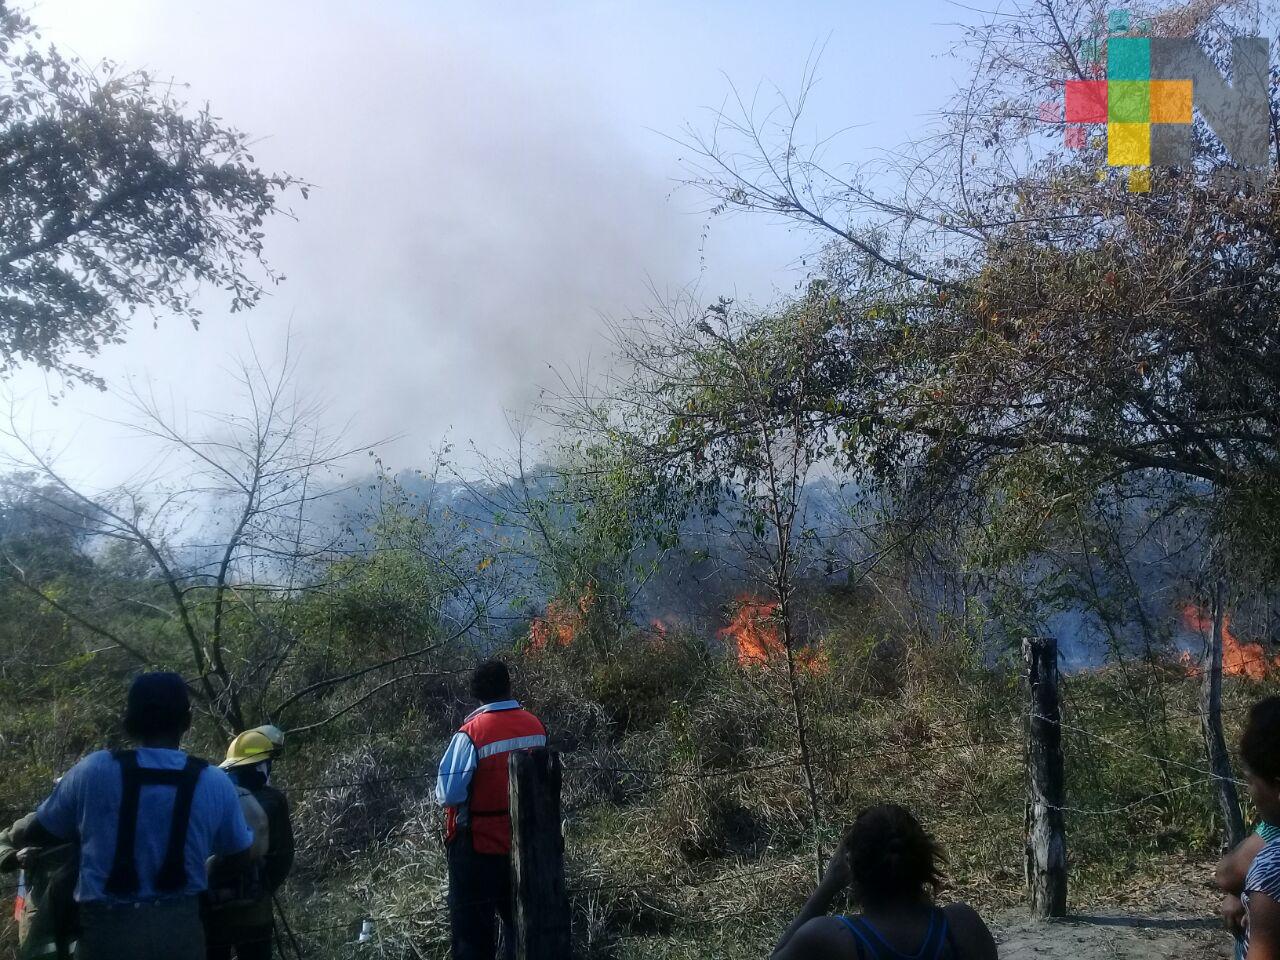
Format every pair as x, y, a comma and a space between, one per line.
472, 787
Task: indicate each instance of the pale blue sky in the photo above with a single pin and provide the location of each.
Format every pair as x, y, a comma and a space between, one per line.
494, 180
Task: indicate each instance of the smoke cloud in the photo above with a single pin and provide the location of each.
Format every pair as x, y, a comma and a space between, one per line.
490, 183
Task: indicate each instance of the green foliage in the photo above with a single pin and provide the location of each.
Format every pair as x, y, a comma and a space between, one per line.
114, 198
648, 677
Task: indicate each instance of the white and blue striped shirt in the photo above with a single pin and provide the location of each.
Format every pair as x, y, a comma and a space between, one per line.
1263, 877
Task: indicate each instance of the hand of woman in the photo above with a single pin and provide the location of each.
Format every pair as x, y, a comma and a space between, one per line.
838, 873
1233, 914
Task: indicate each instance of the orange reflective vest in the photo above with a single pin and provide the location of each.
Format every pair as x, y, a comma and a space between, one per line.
494, 734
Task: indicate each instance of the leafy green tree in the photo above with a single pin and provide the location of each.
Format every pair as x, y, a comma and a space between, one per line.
1013, 300
1009, 293
391, 612
585, 525
114, 199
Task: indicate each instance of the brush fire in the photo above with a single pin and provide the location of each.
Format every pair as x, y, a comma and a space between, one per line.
754, 638
752, 635
1239, 658
561, 624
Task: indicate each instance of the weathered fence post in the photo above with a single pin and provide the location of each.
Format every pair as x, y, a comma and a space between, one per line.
1211, 721
537, 857
1046, 851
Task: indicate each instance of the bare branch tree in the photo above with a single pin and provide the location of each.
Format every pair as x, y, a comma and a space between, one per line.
223, 515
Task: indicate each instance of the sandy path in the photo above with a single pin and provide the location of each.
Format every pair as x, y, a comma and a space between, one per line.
1107, 936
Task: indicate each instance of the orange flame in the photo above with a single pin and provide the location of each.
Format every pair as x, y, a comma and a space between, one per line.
1239, 658
754, 635
753, 632
561, 623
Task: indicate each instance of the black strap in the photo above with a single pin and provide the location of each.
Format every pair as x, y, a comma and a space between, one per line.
123, 880
173, 874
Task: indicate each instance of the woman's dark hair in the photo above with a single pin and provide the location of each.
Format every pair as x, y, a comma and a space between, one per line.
491, 682
1260, 742
891, 856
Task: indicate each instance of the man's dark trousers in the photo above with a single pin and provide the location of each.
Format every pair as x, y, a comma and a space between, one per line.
479, 895
253, 946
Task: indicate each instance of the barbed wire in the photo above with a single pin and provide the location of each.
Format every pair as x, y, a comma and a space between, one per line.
686, 774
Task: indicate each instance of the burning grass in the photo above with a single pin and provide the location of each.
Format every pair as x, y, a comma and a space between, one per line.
753, 635
1239, 658
561, 624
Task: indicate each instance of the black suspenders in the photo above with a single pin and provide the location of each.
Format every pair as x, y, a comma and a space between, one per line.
123, 880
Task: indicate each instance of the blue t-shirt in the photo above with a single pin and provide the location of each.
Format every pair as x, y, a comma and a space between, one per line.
86, 805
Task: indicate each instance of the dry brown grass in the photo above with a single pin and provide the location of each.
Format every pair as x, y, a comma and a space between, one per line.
688, 832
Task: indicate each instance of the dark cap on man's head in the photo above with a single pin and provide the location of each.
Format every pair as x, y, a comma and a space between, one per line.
157, 705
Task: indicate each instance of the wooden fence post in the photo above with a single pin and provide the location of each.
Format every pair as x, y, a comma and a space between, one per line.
1211, 721
537, 857
1046, 851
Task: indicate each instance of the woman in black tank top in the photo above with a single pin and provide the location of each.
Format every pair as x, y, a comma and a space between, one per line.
894, 869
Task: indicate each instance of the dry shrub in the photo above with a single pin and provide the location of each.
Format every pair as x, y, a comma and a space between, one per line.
638, 686
405, 887
365, 801
630, 689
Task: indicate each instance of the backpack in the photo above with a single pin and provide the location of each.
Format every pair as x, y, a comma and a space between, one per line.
248, 887
47, 926
256, 818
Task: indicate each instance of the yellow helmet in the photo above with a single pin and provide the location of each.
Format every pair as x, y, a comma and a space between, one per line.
248, 748
272, 733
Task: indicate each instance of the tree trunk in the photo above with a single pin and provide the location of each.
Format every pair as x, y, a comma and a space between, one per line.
802, 736
1046, 850
1211, 721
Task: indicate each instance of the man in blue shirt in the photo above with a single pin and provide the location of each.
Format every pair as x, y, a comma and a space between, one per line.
146, 820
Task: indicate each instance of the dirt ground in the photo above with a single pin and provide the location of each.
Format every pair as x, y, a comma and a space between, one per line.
1103, 937
1178, 926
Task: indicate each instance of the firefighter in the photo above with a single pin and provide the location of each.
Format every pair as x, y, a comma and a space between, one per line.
239, 917
146, 820
45, 909
472, 787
